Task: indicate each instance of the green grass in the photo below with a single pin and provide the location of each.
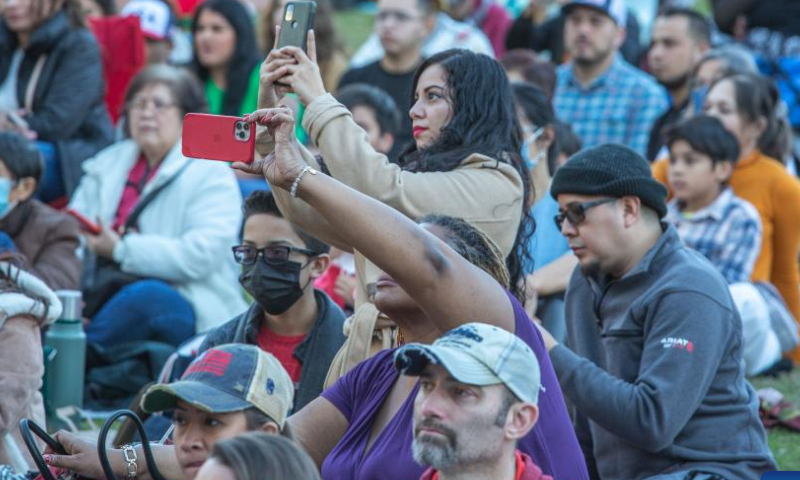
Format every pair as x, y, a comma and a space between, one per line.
785, 443
354, 26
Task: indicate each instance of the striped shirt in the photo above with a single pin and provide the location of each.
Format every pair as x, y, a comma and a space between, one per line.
618, 107
727, 232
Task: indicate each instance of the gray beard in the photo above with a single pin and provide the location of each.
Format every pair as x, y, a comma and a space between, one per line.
434, 454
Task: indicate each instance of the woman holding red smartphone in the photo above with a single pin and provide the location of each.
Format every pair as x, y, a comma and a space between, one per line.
174, 250
464, 161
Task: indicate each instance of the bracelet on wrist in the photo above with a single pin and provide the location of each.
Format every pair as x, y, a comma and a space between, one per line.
296, 183
130, 457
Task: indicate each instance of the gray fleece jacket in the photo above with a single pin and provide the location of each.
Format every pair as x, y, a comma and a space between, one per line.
656, 371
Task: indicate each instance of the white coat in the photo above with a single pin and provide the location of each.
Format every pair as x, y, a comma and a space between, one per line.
185, 234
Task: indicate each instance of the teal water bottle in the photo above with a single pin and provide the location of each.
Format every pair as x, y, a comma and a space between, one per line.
64, 384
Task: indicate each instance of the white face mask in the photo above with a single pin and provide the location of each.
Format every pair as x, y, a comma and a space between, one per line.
531, 139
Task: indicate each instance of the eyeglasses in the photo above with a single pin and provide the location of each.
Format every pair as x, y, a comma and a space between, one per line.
273, 254
576, 212
397, 16
140, 104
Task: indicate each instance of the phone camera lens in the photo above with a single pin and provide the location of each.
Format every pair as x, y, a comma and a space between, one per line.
247, 126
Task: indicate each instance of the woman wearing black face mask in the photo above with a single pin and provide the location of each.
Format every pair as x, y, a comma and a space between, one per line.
298, 324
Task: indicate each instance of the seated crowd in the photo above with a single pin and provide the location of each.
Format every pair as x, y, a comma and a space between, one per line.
494, 243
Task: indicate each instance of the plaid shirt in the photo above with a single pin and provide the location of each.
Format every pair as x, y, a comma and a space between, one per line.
618, 107
727, 232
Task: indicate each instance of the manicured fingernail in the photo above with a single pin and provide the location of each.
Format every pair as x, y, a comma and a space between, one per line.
46, 458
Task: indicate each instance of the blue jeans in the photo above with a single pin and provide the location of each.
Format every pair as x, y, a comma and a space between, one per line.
144, 310
51, 186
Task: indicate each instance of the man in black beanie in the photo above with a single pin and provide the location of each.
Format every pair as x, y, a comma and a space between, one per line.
655, 368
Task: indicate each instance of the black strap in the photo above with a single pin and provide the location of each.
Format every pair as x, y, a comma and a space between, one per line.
27, 428
133, 218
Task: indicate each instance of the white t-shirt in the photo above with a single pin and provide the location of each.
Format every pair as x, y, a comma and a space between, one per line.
8, 89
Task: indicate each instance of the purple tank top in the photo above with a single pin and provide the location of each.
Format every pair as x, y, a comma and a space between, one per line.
360, 394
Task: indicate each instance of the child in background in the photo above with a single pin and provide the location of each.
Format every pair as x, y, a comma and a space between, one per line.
719, 225
373, 110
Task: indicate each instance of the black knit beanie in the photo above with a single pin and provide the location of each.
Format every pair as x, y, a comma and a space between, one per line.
610, 170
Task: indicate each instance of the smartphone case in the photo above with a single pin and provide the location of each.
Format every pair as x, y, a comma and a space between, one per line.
85, 223
298, 19
218, 137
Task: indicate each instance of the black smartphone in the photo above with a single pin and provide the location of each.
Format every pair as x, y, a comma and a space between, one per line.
298, 19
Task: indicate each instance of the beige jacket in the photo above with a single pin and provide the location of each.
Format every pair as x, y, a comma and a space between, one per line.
22, 315
482, 191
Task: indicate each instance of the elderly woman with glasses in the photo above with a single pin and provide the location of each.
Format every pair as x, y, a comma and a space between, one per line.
159, 266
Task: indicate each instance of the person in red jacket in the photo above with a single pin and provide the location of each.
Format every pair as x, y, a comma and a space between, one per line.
478, 393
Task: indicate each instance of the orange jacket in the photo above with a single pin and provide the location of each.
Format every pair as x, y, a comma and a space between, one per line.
762, 181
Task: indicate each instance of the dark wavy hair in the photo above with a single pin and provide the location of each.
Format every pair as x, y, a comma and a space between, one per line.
484, 121
246, 54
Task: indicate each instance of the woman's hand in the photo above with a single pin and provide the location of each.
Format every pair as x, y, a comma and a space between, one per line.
81, 456
272, 69
303, 75
283, 165
103, 244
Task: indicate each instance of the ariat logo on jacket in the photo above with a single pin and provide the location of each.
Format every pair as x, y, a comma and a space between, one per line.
679, 343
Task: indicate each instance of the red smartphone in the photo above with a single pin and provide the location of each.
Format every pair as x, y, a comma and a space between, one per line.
218, 137
85, 223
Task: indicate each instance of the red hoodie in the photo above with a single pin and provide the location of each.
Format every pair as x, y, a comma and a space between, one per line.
526, 470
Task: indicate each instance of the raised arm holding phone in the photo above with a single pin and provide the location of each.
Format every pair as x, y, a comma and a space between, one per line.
463, 161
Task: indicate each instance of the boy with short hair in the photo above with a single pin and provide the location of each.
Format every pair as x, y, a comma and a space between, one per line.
722, 227
708, 216
375, 111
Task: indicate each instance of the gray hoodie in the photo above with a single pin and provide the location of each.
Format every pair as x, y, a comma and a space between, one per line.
657, 374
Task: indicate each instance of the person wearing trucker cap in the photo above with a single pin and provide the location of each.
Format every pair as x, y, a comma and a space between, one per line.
226, 391
479, 388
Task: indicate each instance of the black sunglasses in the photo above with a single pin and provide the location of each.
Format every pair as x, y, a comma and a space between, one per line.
273, 254
576, 212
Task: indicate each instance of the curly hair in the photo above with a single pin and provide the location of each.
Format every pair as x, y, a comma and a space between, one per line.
472, 244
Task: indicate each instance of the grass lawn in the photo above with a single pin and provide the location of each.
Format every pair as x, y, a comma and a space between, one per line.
353, 27
785, 443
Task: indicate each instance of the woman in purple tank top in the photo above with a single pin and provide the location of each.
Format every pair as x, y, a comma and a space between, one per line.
439, 275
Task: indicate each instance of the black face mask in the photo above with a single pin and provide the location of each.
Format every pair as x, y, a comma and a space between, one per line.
274, 287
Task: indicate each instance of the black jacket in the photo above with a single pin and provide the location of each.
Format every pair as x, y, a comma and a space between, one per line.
315, 353
68, 107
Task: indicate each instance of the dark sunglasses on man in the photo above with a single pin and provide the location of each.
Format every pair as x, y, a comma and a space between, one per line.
272, 254
576, 212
